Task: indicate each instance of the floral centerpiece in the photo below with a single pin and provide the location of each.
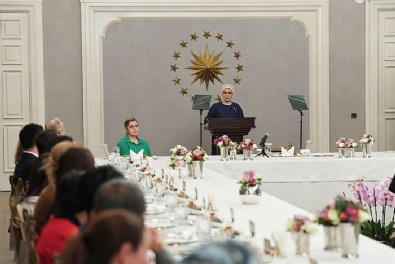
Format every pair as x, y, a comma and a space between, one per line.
301, 227
198, 154
367, 142
196, 157
223, 141
341, 143
178, 150
328, 216
177, 156
175, 161
350, 211
367, 139
376, 199
301, 223
247, 144
352, 215
250, 187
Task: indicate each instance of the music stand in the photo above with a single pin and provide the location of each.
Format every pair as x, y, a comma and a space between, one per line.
298, 103
201, 102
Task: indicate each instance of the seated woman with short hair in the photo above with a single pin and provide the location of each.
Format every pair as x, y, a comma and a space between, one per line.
115, 236
131, 141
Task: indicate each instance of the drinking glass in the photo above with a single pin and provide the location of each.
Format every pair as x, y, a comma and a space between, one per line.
116, 150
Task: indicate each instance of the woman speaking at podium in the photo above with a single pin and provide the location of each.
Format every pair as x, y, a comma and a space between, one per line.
226, 108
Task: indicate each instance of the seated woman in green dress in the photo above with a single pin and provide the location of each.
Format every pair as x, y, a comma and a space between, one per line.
131, 141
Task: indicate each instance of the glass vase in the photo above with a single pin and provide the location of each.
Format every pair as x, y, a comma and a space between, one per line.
302, 242
332, 239
340, 152
367, 150
232, 154
351, 152
197, 169
349, 233
248, 154
224, 152
190, 169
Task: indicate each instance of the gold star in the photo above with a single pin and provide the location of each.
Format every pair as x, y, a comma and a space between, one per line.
176, 81
176, 55
229, 44
219, 99
207, 67
239, 67
174, 67
237, 55
219, 37
237, 80
194, 37
193, 98
184, 91
206, 34
183, 44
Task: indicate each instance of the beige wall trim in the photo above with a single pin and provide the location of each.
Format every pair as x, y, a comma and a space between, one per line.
97, 15
375, 117
36, 82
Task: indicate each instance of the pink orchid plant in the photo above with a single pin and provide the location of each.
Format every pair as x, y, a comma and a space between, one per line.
375, 199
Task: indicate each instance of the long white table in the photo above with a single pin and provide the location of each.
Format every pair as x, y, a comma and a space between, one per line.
272, 214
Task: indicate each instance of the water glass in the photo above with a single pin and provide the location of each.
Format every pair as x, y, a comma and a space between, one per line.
116, 150
204, 227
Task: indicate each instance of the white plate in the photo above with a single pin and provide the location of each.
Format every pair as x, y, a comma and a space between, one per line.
159, 223
180, 237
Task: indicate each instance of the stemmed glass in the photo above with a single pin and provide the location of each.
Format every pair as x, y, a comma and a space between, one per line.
116, 149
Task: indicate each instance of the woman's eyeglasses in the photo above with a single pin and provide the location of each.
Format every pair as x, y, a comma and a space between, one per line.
226, 92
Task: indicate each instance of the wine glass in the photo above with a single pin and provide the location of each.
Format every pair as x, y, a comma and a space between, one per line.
116, 150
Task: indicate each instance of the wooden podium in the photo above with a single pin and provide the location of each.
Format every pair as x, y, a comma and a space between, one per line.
234, 128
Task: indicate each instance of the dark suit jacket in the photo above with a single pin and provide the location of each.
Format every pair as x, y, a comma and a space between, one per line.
24, 167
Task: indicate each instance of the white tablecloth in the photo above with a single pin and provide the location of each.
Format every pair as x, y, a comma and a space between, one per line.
271, 214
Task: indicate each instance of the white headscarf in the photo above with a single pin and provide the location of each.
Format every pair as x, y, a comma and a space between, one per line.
227, 86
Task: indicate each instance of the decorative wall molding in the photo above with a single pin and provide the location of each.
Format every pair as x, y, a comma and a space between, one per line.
36, 57
380, 35
98, 15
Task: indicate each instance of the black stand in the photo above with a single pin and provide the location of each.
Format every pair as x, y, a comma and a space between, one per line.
201, 102
298, 103
201, 126
262, 145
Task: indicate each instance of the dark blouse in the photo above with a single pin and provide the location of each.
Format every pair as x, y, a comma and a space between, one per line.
220, 110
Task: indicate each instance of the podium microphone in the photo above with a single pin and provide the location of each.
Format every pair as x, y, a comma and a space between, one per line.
262, 145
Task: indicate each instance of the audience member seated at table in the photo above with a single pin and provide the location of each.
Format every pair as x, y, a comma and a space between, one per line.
115, 236
37, 179
65, 157
56, 124
224, 252
65, 221
29, 156
92, 180
123, 194
131, 141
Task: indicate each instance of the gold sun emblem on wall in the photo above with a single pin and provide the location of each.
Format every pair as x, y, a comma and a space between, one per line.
207, 66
